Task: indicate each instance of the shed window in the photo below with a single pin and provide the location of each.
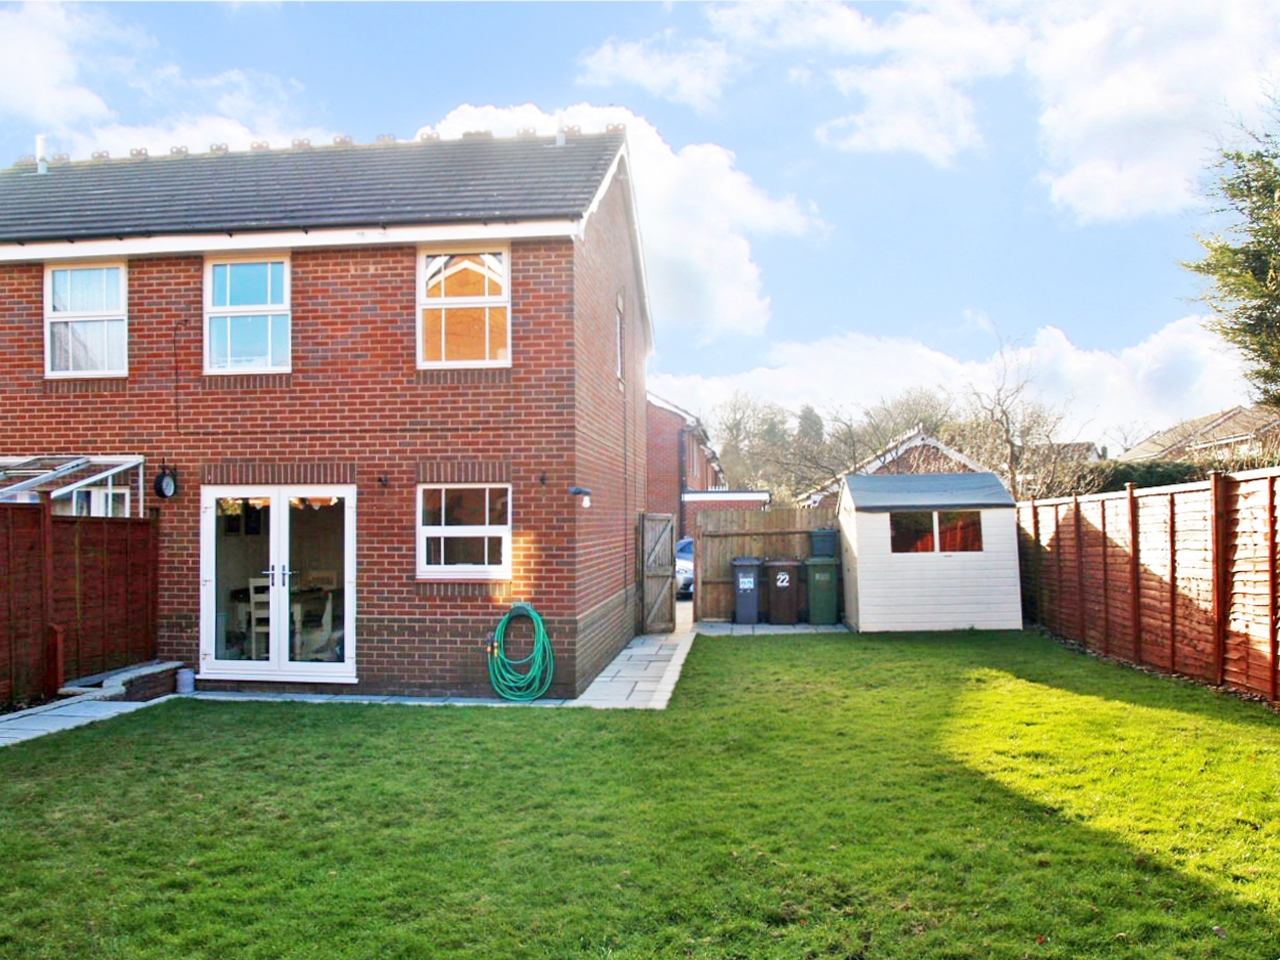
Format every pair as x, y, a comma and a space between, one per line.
911, 532
944, 531
959, 531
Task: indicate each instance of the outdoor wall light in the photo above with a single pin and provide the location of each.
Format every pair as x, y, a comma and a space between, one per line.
582, 492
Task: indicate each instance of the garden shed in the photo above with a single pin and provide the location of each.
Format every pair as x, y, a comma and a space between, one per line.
929, 552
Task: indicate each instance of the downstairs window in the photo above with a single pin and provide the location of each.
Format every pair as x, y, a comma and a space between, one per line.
464, 532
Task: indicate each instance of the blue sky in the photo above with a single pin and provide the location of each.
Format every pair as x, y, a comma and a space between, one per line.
839, 201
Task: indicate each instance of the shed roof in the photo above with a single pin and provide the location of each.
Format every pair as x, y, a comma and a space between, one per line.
477, 179
878, 493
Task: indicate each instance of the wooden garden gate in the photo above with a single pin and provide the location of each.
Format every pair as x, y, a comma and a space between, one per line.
658, 570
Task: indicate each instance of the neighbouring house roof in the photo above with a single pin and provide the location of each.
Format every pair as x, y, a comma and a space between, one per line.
1215, 432
879, 493
906, 448
383, 185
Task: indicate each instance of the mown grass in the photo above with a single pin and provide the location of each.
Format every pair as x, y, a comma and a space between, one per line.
962, 795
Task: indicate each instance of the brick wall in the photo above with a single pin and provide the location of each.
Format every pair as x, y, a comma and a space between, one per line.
665, 433
609, 421
691, 510
354, 409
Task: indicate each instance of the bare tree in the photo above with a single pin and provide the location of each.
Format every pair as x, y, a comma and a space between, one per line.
1021, 437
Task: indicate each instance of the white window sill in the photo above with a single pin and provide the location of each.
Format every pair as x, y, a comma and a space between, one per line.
432, 576
247, 371
86, 375
277, 677
468, 365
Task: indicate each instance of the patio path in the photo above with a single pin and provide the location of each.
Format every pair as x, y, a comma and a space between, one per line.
641, 677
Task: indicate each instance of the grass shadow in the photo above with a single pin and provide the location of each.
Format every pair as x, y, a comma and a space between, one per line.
802, 797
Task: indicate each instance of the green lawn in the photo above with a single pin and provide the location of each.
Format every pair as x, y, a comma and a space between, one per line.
963, 795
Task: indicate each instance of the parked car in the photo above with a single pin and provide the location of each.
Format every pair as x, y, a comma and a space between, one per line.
684, 567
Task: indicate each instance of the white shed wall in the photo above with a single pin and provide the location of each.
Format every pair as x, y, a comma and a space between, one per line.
938, 591
846, 520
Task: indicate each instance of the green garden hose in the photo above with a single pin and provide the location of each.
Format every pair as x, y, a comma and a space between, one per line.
528, 678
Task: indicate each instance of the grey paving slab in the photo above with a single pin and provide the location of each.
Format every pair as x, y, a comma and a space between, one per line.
8, 738
643, 676
641, 671
95, 709
42, 723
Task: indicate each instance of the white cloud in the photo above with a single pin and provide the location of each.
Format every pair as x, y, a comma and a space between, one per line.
1181, 371
910, 71
910, 107
236, 107
39, 72
693, 74
697, 211
1134, 94
57, 60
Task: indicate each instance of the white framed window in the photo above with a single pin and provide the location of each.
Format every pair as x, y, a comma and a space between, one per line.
86, 320
94, 502
464, 531
464, 308
246, 311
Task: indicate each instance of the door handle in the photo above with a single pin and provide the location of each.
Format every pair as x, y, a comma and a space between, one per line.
270, 572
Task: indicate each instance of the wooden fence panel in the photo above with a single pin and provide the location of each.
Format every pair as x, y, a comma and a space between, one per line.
722, 535
99, 578
1250, 518
1181, 579
22, 631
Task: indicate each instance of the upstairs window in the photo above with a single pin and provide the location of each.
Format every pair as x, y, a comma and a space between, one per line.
464, 309
85, 321
247, 316
464, 532
946, 531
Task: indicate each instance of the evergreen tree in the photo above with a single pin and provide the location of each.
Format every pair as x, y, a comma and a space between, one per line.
1243, 267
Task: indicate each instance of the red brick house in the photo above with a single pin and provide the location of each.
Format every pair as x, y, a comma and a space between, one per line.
680, 459
382, 377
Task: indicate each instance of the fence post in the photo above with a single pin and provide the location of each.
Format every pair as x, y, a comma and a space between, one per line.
153, 584
1219, 576
53, 647
54, 659
1271, 586
1173, 585
1080, 604
1039, 558
1057, 568
1135, 574
1106, 592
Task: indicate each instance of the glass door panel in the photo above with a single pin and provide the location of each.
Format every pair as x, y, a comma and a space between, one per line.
243, 578
317, 577
278, 584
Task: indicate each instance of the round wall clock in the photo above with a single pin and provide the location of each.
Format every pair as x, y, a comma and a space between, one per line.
166, 484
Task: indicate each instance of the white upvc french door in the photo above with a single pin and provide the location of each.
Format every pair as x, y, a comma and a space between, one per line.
278, 583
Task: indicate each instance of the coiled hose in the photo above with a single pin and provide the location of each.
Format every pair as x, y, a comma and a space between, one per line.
529, 677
